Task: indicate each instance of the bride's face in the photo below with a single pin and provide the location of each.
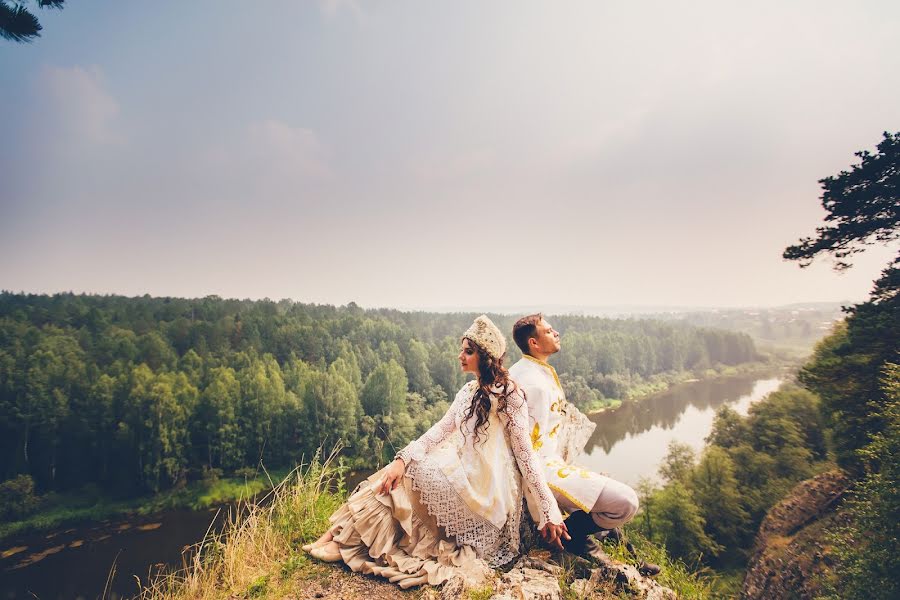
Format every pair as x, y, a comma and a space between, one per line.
468, 357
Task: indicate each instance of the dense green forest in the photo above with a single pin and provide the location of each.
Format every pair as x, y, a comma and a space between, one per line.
847, 412
141, 394
710, 507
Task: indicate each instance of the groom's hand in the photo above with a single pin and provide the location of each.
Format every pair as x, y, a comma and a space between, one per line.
555, 534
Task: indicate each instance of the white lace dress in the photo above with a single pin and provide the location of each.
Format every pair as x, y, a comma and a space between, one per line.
459, 505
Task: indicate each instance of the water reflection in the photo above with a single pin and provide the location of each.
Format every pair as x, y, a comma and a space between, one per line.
630, 442
75, 563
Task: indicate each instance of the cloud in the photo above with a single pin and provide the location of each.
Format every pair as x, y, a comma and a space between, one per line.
289, 150
266, 160
76, 105
332, 7
458, 167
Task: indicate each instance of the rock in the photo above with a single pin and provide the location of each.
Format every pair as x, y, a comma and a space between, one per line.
583, 588
602, 577
789, 558
533, 562
529, 584
535, 577
454, 589
627, 578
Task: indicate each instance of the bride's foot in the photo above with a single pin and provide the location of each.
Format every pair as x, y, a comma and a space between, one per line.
326, 537
329, 552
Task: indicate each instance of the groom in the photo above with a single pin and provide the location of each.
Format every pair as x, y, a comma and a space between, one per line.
559, 431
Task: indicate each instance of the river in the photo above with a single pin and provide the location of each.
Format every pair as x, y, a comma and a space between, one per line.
629, 443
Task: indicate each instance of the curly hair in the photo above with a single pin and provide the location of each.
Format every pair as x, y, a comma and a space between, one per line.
491, 375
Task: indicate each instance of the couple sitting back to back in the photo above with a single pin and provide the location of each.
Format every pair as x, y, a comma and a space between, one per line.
451, 502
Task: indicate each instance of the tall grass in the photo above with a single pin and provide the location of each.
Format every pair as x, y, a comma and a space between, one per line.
258, 549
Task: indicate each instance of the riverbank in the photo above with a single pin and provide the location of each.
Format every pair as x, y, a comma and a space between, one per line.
665, 382
91, 504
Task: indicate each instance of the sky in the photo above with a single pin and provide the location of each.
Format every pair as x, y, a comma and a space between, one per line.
439, 154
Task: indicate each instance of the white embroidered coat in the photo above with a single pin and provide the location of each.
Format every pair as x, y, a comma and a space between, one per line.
474, 488
558, 432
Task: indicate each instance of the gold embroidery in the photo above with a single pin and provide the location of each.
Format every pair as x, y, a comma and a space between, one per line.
571, 498
564, 472
587, 474
546, 366
554, 430
555, 406
536, 442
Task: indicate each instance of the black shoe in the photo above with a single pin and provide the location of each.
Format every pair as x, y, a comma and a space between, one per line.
580, 525
648, 569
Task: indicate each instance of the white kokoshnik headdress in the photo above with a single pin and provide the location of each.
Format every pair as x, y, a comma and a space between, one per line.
487, 335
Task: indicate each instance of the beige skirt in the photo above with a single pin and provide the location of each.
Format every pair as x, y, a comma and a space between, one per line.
394, 537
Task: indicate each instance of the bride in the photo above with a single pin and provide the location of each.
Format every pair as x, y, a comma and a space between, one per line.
451, 501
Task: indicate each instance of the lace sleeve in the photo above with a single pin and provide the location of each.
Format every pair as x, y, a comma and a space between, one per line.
527, 459
439, 432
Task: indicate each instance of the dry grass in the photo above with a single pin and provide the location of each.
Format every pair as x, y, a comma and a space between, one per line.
257, 553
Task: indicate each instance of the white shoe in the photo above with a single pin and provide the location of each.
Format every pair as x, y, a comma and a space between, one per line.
325, 555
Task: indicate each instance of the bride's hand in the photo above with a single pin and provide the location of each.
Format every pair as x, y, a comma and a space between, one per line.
392, 476
555, 534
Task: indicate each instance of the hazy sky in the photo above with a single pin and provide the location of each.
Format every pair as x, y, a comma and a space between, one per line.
421, 154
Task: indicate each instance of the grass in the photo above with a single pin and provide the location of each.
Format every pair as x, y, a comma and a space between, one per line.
483, 593
258, 553
689, 583
91, 504
727, 583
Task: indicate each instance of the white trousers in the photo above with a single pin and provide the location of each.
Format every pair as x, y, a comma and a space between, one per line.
616, 505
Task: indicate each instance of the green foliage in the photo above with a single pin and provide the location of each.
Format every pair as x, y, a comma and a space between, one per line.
868, 548
688, 582
729, 429
18, 24
384, 391
678, 463
680, 523
482, 593
844, 373
314, 492
258, 587
17, 498
861, 204
711, 509
146, 394
715, 488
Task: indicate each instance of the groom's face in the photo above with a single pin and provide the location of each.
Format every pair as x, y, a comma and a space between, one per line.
547, 338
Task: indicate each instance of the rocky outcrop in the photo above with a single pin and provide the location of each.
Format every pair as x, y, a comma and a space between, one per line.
791, 556
536, 577
612, 579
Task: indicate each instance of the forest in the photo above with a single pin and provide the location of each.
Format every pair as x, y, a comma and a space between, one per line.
142, 394
843, 412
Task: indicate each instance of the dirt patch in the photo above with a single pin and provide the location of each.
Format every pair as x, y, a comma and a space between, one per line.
338, 583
